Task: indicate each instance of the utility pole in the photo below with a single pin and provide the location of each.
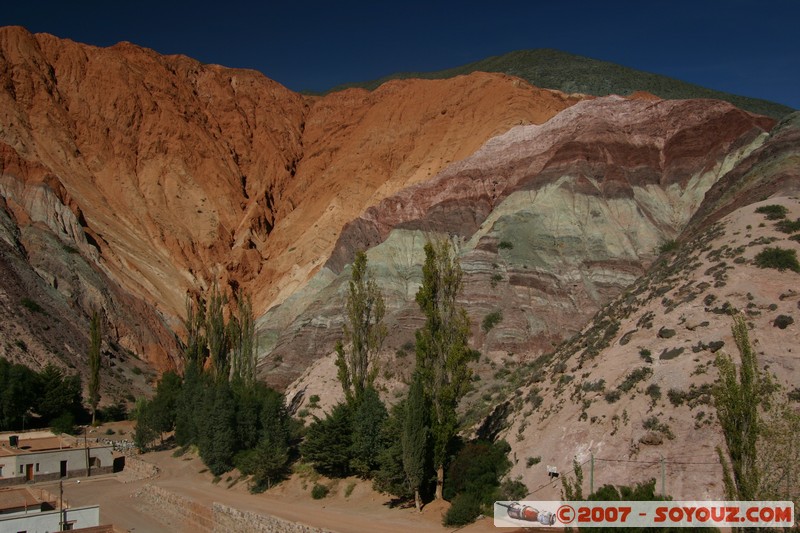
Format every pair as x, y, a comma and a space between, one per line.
663, 476
61, 506
86, 446
591, 475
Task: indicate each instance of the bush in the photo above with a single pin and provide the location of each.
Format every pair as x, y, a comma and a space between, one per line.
633, 378
676, 397
788, 226
32, 306
778, 258
512, 489
782, 321
64, 423
491, 320
465, 509
506, 245
668, 246
533, 461
654, 391
773, 212
319, 491
612, 396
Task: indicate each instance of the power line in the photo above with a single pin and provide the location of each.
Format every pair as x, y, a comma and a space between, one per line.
657, 461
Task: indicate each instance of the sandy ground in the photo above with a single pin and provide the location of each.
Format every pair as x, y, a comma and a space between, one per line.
363, 510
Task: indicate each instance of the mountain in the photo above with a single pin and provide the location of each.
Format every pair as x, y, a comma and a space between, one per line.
568, 73
551, 223
166, 176
130, 180
634, 385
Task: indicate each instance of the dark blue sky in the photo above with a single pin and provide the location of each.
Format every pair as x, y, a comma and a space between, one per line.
747, 47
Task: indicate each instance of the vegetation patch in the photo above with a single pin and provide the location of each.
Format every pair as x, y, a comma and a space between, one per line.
32, 306
491, 320
782, 321
788, 226
778, 258
773, 211
319, 492
634, 377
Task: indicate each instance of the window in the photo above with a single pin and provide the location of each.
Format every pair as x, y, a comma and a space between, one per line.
37, 467
21, 469
1, 470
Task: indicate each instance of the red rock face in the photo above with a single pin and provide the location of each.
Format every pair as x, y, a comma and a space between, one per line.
579, 204
182, 175
611, 144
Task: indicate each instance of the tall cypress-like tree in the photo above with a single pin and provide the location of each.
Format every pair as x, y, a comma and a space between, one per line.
442, 349
364, 332
94, 364
195, 349
414, 438
243, 342
217, 334
368, 418
737, 402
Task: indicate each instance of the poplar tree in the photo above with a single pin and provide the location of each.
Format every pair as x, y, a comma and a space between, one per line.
243, 339
94, 364
364, 332
217, 334
442, 349
737, 399
414, 438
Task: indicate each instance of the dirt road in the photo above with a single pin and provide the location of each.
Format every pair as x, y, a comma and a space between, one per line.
362, 510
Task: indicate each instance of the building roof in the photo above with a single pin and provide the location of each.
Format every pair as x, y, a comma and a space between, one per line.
44, 444
17, 498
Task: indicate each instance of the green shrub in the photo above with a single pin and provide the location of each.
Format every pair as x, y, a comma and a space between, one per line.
506, 245
319, 491
779, 258
773, 212
594, 386
495, 279
349, 489
633, 378
654, 391
465, 509
32, 306
512, 489
782, 321
533, 461
64, 423
794, 395
676, 397
491, 320
788, 226
668, 246
612, 396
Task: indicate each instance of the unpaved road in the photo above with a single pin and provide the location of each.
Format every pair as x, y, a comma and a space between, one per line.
364, 510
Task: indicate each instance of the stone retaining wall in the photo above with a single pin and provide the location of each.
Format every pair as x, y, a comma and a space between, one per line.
136, 469
217, 519
183, 510
227, 519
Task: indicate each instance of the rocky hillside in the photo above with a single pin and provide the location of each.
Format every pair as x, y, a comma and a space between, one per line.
164, 176
633, 386
551, 222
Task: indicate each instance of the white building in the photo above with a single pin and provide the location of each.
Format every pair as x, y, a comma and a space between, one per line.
50, 458
21, 509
